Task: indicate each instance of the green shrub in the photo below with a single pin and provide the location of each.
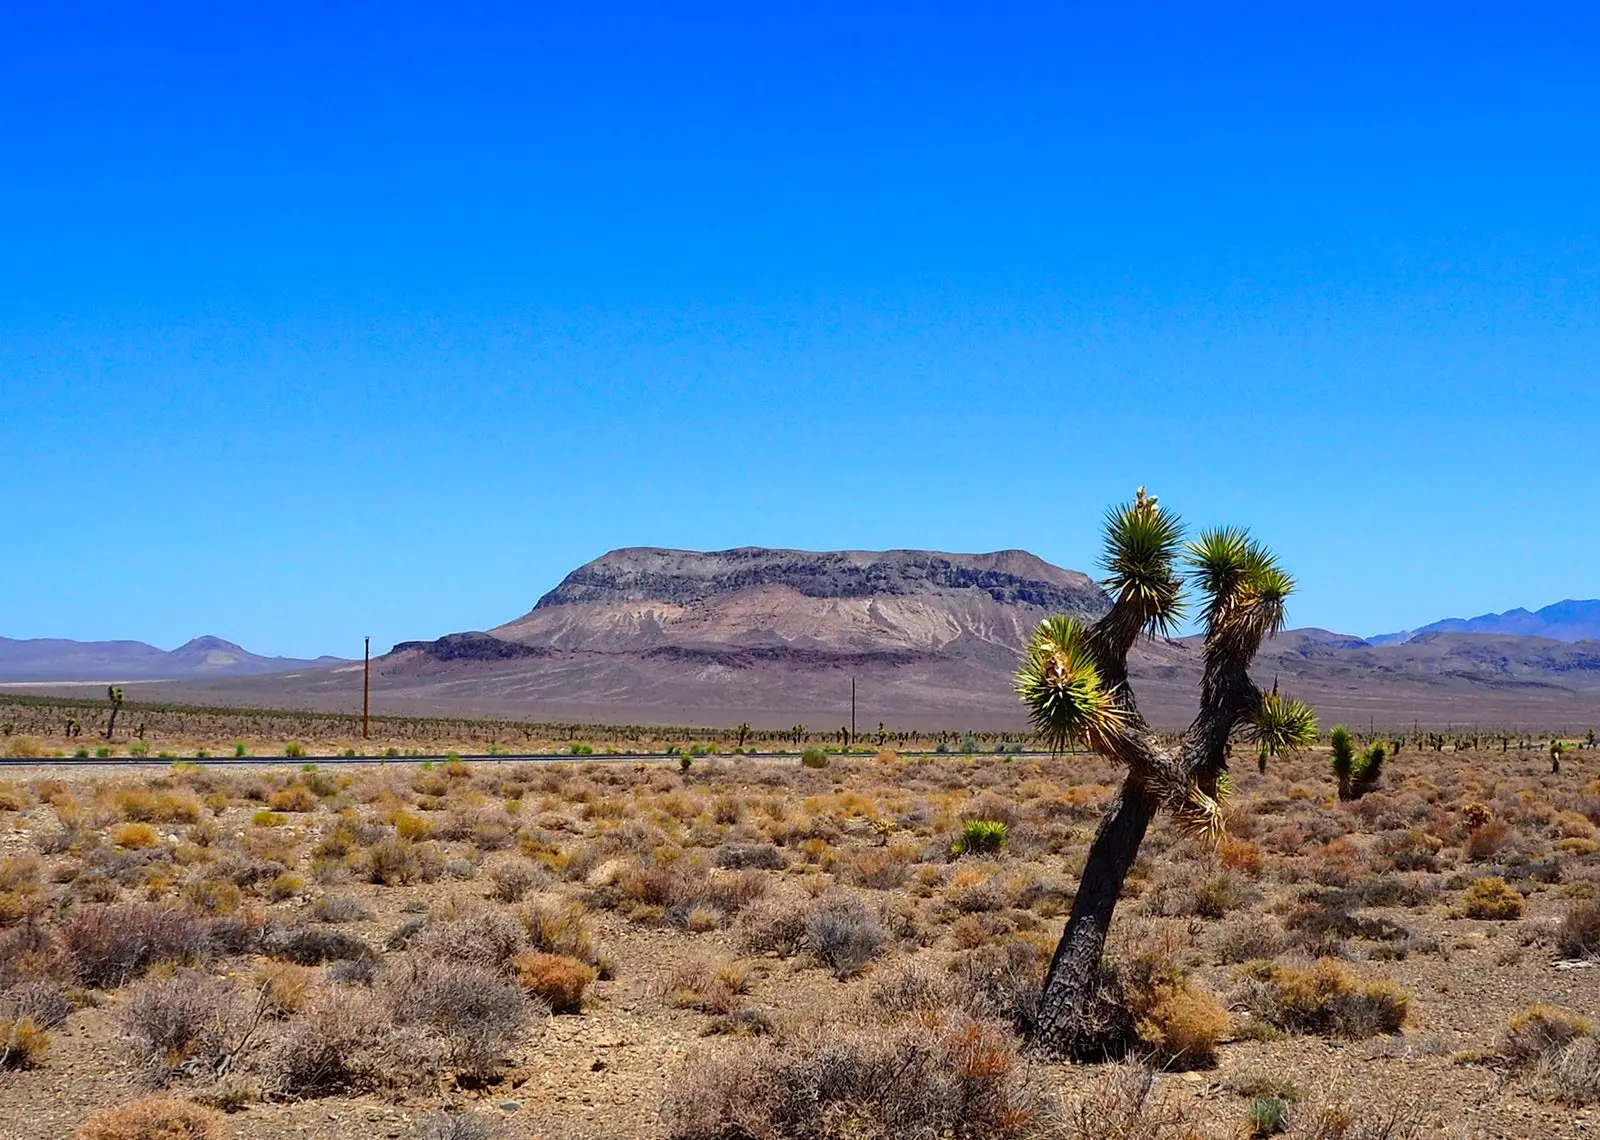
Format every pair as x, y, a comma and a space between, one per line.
239, 749
294, 749
981, 837
1268, 1117
814, 758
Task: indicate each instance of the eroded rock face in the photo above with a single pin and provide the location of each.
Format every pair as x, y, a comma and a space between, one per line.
853, 601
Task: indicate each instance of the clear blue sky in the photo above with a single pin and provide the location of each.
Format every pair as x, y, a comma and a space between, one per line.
339, 319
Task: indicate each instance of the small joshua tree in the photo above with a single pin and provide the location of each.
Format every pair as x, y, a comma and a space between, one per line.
114, 695
1355, 775
742, 730
1074, 682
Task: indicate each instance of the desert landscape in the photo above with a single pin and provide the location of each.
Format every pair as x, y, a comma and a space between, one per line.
720, 946
799, 572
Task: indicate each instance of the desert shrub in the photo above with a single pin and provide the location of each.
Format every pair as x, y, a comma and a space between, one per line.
154, 1118
559, 981
1580, 929
338, 1044
25, 748
284, 987
1485, 841
1146, 1004
980, 837
1243, 937
513, 878
557, 926
23, 1042
46, 1004
1539, 1030
454, 1126
295, 798
749, 856
704, 986
1238, 854
1560, 1051
1491, 898
488, 939
393, 862
476, 1011
844, 935
1325, 999
134, 836
184, 1024
879, 868
773, 927
312, 946
109, 946
814, 758
948, 1075
1570, 1075
339, 908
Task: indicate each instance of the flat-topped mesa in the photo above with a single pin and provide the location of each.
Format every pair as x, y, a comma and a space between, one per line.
849, 600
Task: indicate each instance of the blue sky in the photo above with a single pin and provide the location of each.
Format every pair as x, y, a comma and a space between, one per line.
345, 319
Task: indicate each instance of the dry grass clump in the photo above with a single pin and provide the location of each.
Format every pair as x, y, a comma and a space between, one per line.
154, 1118
942, 1075
561, 926
23, 1042
1324, 998
1580, 930
707, 987
1491, 898
557, 980
1559, 1050
134, 836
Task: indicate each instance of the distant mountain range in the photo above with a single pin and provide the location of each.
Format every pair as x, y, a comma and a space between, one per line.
1564, 621
58, 659
923, 638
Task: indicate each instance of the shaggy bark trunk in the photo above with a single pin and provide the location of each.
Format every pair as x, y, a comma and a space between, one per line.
1060, 1027
111, 724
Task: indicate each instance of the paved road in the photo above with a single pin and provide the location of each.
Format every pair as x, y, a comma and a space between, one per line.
505, 758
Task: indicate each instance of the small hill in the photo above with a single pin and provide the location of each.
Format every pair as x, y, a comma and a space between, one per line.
60, 659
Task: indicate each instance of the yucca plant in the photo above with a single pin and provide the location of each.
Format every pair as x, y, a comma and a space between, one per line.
1074, 682
981, 837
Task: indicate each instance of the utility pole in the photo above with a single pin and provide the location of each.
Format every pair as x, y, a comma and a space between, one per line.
366, 687
852, 710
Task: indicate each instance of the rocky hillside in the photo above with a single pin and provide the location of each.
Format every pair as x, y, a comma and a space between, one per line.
848, 601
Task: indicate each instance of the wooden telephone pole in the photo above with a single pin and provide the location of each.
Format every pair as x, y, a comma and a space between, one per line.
852, 710
366, 687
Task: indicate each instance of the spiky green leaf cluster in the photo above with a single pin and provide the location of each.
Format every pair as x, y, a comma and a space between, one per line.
1142, 544
1245, 588
1062, 688
1283, 724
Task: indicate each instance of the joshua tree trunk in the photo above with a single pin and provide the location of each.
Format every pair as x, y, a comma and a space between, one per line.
1075, 682
1075, 966
114, 695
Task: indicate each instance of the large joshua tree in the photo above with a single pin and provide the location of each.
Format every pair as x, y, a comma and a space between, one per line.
1074, 681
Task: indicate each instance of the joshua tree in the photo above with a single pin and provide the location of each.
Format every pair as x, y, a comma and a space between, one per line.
743, 730
1556, 749
1074, 681
114, 695
1355, 775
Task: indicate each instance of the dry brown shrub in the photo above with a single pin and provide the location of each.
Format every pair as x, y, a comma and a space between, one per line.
154, 1118
558, 980
1485, 841
1580, 929
1240, 855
